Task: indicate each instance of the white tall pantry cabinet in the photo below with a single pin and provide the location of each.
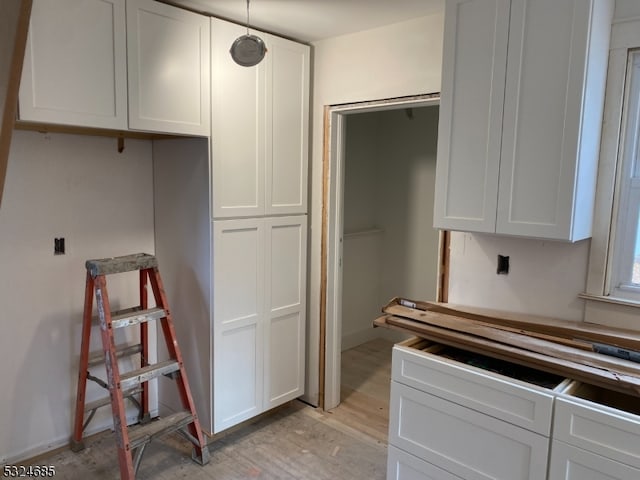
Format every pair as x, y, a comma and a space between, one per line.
521, 112
242, 294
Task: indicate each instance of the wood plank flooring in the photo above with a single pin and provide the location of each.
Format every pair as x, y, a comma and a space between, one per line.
296, 442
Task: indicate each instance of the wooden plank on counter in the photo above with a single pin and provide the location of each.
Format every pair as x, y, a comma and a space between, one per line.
582, 331
617, 381
516, 339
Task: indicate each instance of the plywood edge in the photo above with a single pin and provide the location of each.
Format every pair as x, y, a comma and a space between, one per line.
10, 109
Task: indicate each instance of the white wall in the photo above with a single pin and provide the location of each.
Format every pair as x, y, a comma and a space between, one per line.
389, 185
78, 187
405, 194
544, 277
392, 61
362, 247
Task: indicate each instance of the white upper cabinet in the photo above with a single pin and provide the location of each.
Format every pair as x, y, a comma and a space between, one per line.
139, 65
238, 127
287, 132
521, 113
470, 128
75, 64
168, 58
259, 127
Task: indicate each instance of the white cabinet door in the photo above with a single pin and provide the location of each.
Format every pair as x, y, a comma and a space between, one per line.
606, 431
259, 292
259, 131
287, 133
572, 463
238, 336
285, 285
470, 127
75, 64
238, 130
168, 60
520, 116
552, 113
462, 441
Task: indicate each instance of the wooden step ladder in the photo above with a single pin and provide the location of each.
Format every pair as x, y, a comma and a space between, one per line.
134, 384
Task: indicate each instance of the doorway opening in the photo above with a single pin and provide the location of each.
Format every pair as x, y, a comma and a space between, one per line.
378, 239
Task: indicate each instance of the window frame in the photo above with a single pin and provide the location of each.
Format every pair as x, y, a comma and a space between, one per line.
603, 305
626, 211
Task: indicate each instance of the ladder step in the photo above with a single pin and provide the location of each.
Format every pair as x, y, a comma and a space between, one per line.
132, 316
97, 357
102, 402
127, 263
141, 434
135, 315
147, 373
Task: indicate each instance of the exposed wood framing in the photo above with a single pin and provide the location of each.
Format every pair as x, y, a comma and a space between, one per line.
14, 23
443, 280
326, 154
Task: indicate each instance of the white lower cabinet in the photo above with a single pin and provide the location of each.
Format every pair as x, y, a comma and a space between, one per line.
455, 414
572, 463
463, 441
404, 466
259, 269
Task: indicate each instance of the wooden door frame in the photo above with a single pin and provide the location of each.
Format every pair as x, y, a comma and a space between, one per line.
331, 242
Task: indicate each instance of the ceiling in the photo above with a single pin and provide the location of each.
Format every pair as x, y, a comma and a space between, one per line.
311, 20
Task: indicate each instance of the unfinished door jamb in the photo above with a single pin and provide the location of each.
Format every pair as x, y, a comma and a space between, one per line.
331, 245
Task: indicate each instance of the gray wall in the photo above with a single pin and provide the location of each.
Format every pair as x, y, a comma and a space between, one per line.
80, 188
390, 247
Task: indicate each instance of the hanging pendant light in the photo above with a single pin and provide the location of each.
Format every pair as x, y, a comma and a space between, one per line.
248, 50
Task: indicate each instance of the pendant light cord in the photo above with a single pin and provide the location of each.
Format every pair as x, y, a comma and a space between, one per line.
247, 17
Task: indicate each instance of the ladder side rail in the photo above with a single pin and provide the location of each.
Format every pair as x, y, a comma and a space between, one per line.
83, 372
144, 342
127, 471
201, 450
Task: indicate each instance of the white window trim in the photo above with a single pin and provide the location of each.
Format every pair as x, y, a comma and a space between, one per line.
601, 307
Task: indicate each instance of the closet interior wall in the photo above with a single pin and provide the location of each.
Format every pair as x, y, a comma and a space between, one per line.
390, 247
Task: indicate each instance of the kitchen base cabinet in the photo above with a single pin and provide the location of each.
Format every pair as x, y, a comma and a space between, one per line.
462, 441
470, 422
404, 466
457, 414
572, 463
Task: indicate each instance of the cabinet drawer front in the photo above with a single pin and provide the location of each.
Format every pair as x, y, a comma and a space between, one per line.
462, 441
403, 466
571, 463
602, 430
506, 399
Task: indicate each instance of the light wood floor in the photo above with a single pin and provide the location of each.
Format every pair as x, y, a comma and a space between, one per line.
296, 442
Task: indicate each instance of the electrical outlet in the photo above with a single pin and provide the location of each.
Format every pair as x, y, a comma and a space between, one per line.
58, 246
503, 265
